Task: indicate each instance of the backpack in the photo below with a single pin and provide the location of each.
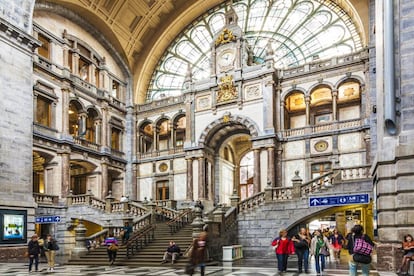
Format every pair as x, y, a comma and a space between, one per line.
361, 246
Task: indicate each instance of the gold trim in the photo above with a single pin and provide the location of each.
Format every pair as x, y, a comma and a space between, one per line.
226, 36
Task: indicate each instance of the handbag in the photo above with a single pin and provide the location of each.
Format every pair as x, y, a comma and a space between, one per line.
361, 258
324, 251
302, 244
362, 247
113, 247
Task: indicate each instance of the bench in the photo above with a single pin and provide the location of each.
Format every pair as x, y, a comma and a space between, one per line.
411, 267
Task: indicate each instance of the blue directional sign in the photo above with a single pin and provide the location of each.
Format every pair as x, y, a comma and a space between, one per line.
338, 200
48, 219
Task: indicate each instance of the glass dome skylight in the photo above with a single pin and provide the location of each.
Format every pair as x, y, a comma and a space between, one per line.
299, 31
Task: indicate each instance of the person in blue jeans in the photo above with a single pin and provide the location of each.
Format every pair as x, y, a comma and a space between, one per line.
357, 233
302, 242
319, 247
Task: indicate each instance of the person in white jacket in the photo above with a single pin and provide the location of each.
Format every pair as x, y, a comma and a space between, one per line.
319, 248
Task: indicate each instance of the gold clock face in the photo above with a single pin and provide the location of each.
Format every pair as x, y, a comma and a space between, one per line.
321, 146
163, 167
226, 58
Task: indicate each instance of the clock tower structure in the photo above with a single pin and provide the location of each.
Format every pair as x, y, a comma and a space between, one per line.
227, 57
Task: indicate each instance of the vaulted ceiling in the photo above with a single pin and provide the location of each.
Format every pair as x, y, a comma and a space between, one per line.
141, 30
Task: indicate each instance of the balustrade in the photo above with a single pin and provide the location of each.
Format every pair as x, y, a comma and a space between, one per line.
45, 199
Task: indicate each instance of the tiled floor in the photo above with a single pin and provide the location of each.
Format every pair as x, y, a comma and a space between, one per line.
240, 268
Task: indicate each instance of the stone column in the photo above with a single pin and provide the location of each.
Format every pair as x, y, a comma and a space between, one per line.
334, 104
256, 181
307, 102
171, 144
156, 141
65, 186
190, 195
104, 175
98, 134
271, 165
65, 109
75, 63
282, 115
296, 183
201, 178
278, 180
82, 124
104, 138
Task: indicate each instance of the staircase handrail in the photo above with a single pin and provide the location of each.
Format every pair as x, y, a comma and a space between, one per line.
141, 222
165, 213
140, 239
230, 218
136, 209
183, 218
100, 235
250, 202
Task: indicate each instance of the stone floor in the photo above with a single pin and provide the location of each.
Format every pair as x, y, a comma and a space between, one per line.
247, 267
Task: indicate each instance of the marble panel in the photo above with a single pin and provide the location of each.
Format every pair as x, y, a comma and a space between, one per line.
180, 187
350, 160
294, 149
298, 121
348, 113
145, 188
289, 171
145, 169
349, 142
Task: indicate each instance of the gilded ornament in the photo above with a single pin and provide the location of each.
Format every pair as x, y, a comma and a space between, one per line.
225, 37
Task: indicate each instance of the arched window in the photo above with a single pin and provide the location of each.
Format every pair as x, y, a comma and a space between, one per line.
164, 134
246, 175
349, 100
321, 105
74, 119
146, 136
298, 31
295, 110
180, 131
91, 126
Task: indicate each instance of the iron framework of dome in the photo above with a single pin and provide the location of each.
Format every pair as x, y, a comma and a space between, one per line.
299, 31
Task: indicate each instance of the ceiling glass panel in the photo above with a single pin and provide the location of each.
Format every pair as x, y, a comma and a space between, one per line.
298, 30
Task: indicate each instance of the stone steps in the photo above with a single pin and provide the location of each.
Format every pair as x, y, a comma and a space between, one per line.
150, 256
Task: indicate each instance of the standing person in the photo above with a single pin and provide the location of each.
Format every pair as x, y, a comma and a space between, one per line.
173, 251
112, 247
302, 242
337, 241
199, 253
283, 248
408, 247
50, 247
357, 233
34, 252
319, 248
127, 230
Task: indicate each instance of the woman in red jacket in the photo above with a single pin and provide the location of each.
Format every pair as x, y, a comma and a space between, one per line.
284, 247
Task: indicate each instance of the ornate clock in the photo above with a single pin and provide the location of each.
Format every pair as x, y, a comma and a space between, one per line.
226, 59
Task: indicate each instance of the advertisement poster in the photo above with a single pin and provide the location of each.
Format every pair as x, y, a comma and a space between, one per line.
13, 226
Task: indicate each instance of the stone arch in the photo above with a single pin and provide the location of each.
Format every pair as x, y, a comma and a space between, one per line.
228, 120
349, 78
288, 92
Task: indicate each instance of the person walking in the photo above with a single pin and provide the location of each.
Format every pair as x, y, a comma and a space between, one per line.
173, 251
358, 233
302, 242
50, 247
34, 252
337, 241
319, 248
127, 230
199, 254
112, 247
283, 247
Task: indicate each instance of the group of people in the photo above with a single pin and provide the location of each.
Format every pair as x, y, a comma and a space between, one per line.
318, 245
37, 246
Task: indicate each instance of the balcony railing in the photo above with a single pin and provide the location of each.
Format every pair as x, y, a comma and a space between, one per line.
348, 124
87, 144
44, 199
157, 153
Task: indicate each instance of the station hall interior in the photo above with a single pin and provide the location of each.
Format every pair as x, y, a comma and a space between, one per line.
271, 114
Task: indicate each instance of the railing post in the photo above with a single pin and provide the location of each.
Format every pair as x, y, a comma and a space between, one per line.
108, 202
197, 223
219, 218
234, 199
151, 206
80, 245
88, 197
296, 183
69, 199
269, 192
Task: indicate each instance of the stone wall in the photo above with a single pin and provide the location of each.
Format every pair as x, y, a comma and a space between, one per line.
394, 166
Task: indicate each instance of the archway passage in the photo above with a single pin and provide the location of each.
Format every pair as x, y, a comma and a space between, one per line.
229, 166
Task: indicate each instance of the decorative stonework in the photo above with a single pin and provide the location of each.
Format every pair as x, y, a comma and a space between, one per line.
321, 145
252, 92
203, 103
18, 13
227, 90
